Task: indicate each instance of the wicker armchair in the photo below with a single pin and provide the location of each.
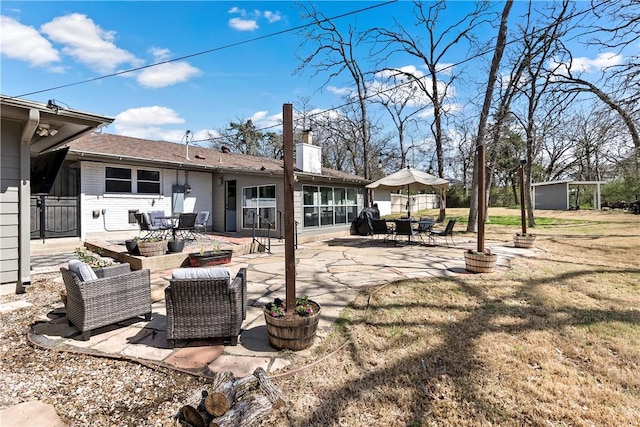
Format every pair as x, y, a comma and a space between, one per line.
205, 307
117, 294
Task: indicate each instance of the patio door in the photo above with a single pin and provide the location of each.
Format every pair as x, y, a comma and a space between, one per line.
230, 206
57, 214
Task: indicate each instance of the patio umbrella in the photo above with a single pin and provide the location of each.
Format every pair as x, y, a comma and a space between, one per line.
411, 179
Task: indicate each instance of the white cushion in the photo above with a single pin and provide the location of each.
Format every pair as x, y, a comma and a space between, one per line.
202, 273
82, 270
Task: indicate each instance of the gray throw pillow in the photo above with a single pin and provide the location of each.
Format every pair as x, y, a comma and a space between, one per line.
82, 270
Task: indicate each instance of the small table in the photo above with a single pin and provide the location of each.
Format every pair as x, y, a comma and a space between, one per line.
425, 226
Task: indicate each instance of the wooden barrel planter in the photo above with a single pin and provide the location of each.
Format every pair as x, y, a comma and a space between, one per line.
480, 263
154, 248
524, 240
209, 258
293, 332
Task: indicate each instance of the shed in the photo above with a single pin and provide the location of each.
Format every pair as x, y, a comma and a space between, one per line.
556, 195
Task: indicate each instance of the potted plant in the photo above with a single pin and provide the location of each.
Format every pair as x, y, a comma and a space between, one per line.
480, 262
215, 256
132, 246
294, 330
524, 240
175, 245
152, 246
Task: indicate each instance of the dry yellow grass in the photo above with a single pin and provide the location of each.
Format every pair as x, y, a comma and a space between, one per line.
553, 341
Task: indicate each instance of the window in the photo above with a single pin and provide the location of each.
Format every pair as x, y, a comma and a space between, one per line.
326, 206
119, 180
260, 200
148, 182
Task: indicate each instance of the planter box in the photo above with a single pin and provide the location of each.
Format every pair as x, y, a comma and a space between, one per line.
524, 241
209, 258
480, 263
152, 248
292, 333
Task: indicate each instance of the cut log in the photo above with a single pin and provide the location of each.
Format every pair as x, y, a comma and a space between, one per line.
268, 387
245, 413
229, 402
192, 416
217, 403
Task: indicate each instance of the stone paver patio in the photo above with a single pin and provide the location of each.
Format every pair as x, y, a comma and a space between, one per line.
329, 272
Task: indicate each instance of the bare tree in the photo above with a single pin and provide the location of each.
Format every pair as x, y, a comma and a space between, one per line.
528, 96
611, 27
437, 43
501, 42
335, 54
398, 97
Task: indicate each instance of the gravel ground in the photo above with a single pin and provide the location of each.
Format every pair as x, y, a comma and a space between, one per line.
84, 390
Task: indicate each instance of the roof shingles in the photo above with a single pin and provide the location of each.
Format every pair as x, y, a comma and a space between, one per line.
143, 150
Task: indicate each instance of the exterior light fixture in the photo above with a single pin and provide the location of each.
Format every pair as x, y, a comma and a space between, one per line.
45, 130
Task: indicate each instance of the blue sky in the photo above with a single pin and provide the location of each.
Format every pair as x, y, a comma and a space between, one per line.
66, 42
56, 43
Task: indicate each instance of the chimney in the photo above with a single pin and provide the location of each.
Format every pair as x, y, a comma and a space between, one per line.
225, 149
308, 156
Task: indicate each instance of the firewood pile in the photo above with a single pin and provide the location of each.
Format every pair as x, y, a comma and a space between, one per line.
229, 402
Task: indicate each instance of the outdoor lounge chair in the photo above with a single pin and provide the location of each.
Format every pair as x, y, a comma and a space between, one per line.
157, 218
186, 227
147, 229
379, 228
201, 221
204, 302
105, 296
446, 233
404, 227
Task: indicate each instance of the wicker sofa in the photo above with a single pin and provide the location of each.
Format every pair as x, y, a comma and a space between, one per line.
205, 303
115, 295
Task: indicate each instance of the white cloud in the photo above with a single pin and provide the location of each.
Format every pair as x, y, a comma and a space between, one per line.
143, 116
445, 68
272, 16
603, 60
87, 43
261, 120
160, 54
168, 74
588, 65
22, 42
338, 90
236, 9
243, 24
151, 123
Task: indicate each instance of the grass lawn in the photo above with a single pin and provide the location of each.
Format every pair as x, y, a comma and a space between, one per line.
553, 341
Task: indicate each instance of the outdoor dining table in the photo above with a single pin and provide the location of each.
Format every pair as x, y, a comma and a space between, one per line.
425, 226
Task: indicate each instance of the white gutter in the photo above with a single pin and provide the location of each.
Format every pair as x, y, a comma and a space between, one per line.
24, 200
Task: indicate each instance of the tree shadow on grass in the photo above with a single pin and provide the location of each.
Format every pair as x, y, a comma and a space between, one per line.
455, 360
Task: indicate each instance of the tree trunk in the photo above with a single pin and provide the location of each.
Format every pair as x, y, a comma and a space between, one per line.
482, 126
